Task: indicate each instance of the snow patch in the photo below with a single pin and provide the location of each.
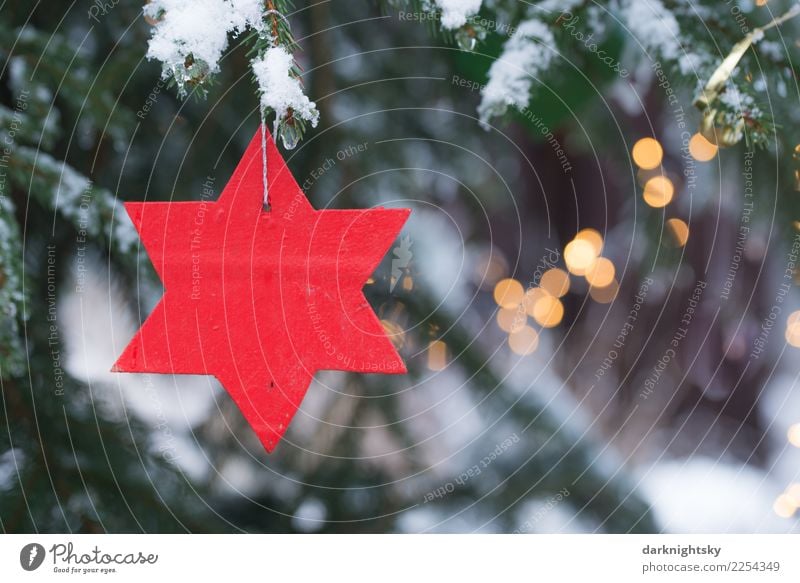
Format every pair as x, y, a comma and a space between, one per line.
526, 54
199, 28
456, 12
190, 37
280, 89
655, 27
704, 495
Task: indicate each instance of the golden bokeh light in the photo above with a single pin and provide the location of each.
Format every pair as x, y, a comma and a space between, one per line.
532, 296
784, 506
548, 311
555, 281
605, 295
511, 319
524, 341
794, 435
793, 492
793, 329
679, 231
658, 191
647, 153
601, 273
437, 355
701, 149
508, 293
593, 237
579, 256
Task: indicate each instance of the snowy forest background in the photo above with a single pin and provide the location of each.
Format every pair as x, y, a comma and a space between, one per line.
664, 400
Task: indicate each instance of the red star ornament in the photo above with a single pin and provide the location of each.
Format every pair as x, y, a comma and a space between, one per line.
262, 299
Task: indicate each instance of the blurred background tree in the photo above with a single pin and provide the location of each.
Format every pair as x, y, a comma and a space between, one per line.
549, 265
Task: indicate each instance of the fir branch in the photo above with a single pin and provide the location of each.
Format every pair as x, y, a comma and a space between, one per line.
191, 58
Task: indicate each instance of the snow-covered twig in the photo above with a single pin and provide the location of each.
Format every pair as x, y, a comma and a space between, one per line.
190, 37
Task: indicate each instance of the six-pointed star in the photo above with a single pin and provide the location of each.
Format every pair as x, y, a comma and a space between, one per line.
262, 299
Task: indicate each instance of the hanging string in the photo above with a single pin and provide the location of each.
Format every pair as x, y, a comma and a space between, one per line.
275, 14
264, 156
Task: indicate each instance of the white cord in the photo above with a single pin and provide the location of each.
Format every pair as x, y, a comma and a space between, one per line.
264, 118
264, 156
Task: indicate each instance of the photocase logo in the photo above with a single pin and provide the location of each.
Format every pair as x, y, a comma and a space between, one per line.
402, 257
31, 556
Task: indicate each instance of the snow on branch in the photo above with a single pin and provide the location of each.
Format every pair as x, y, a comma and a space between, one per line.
527, 53
455, 13
658, 31
280, 87
191, 36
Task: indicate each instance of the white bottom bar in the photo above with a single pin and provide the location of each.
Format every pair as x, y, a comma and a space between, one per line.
381, 558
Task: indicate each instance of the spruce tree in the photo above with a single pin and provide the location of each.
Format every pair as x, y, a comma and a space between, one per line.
88, 121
